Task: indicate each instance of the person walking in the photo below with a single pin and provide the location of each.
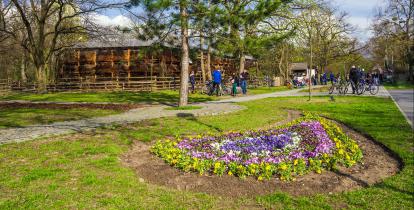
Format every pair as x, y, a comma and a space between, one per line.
354, 77
216, 80
235, 83
244, 77
192, 81
324, 78
332, 78
314, 80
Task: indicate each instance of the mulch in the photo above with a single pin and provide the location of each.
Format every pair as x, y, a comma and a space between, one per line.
39, 105
378, 163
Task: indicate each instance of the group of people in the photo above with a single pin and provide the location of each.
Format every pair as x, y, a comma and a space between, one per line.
236, 80
357, 75
239, 80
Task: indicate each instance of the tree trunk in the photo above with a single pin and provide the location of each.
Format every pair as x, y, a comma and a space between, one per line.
209, 76
41, 78
184, 57
23, 70
203, 70
163, 67
242, 60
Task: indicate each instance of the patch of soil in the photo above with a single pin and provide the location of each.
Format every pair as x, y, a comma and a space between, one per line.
39, 105
378, 163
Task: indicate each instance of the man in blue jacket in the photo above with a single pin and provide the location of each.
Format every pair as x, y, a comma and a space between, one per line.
216, 80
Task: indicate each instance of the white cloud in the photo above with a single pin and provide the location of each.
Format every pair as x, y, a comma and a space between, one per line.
119, 20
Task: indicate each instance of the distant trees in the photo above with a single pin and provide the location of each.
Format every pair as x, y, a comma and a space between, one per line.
325, 34
393, 40
312, 32
43, 28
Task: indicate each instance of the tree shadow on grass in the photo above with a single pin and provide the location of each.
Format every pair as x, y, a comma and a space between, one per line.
191, 117
353, 178
394, 188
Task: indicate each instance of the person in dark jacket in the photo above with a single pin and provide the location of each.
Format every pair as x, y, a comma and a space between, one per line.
192, 81
244, 76
216, 80
354, 77
324, 78
332, 78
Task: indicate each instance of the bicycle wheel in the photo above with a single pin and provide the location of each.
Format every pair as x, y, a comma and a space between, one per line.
360, 88
345, 88
373, 89
340, 89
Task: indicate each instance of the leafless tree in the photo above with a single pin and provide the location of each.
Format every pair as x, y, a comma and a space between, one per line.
43, 28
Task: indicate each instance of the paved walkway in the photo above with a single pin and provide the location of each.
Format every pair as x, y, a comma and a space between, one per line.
405, 102
135, 115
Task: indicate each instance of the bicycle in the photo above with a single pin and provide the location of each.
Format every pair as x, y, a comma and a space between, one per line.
210, 90
372, 86
337, 86
360, 87
346, 84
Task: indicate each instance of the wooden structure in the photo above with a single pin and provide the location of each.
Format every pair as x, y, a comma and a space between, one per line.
123, 61
129, 66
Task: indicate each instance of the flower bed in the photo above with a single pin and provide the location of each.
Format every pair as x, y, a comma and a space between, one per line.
307, 144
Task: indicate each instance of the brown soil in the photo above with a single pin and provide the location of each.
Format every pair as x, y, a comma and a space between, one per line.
39, 105
378, 163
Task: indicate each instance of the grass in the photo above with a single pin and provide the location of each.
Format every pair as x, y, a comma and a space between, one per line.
262, 90
322, 89
113, 97
85, 171
167, 96
399, 85
20, 117
184, 108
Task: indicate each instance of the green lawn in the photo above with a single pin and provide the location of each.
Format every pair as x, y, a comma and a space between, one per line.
84, 170
19, 117
322, 89
399, 85
167, 96
261, 90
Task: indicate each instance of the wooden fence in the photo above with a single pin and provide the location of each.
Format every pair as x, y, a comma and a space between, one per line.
137, 84
4, 85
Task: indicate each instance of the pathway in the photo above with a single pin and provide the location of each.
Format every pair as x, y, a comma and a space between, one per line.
135, 115
404, 99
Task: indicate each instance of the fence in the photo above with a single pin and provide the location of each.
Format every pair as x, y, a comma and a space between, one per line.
137, 84
4, 85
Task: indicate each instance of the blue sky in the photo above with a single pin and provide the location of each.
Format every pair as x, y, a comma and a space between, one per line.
360, 14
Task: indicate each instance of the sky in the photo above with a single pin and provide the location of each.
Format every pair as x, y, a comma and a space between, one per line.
360, 14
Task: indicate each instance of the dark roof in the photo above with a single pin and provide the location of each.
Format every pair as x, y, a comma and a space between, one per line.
108, 43
298, 66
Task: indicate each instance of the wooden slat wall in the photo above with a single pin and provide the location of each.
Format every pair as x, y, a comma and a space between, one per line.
98, 63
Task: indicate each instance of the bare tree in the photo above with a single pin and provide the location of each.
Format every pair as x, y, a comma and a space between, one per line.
48, 27
394, 35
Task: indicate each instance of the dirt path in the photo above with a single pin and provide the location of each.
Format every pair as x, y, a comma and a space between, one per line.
377, 165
